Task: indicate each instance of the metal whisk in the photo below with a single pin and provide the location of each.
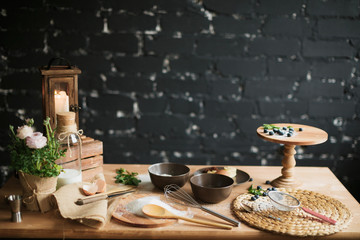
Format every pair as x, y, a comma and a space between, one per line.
176, 195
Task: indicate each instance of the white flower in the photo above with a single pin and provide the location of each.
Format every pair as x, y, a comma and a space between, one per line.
24, 131
36, 140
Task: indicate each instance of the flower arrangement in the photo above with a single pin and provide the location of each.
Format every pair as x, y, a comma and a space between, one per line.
33, 153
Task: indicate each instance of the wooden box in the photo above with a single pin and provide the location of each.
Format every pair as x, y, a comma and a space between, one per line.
91, 158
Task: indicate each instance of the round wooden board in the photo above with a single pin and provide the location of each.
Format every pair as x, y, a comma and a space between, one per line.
309, 135
124, 216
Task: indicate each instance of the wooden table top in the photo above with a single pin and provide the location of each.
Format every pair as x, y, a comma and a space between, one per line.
51, 225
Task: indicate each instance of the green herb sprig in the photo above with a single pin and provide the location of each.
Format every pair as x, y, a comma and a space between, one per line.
270, 126
273, 127
126, 177
255, 191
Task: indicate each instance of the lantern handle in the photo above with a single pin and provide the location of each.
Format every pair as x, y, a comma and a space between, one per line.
58, 58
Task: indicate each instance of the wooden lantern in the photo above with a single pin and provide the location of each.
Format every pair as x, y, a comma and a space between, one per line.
59, 90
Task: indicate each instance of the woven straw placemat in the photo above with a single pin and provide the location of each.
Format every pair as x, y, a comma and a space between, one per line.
297, 222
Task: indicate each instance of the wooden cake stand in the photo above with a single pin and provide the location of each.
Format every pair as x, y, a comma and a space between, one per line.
309, 136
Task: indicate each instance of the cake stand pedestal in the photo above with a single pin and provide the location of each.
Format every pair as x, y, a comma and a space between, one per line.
309, 136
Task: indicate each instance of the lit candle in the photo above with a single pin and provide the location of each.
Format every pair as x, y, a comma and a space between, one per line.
61, 102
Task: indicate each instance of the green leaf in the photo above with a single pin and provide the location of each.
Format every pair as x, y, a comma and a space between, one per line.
270, 126
126, 177
255, 191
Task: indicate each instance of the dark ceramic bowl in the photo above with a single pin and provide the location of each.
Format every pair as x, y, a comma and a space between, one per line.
162, 174
211, 188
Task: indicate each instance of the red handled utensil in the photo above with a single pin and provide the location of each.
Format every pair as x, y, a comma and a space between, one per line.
316, 214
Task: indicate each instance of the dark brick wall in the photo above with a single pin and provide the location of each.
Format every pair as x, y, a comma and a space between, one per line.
190, 81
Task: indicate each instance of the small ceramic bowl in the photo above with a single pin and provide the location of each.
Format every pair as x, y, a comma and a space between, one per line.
211, 188
162, 174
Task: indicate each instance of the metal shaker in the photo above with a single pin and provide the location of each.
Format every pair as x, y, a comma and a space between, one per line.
15, 205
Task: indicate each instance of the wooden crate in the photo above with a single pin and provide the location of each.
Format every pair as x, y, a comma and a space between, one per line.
91, 157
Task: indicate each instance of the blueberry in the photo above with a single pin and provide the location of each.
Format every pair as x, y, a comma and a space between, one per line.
281, 133
267, 182
251, 179
284, 128
300, 129
273, 189
291, 129
259, 187
256, 196
253, 198
289, 134
264, 194
265, 130
271, 133
269, 188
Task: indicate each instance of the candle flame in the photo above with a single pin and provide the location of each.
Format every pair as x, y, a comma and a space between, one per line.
60, 93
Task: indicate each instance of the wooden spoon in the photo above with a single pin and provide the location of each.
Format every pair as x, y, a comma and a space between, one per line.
156, 211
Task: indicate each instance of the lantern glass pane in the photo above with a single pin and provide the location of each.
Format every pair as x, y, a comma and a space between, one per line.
61, 87
61, 97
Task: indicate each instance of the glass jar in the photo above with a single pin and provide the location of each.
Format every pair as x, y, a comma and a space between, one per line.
70, 140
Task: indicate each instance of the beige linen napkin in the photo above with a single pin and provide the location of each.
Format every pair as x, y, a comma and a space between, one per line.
95, 214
